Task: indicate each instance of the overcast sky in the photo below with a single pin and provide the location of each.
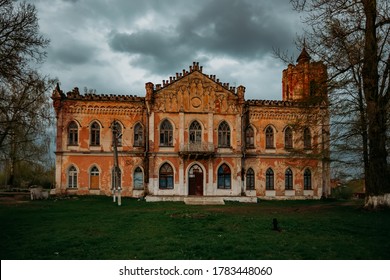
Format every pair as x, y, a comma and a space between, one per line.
117, 46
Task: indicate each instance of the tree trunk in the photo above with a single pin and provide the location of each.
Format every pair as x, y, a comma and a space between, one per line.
377, 180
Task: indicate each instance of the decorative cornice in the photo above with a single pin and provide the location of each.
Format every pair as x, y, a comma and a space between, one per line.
126, 109
75, 95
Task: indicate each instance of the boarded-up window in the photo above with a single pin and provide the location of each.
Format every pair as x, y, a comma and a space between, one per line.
138, 179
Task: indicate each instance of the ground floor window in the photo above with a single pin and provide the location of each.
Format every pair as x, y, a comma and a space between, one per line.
138, 179
250, 179
166, 176
307, 179
269, 179
288, 179
224, 177
72, 177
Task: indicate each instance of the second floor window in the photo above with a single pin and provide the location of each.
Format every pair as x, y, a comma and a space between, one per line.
306, 138
195, 133
224, 135
95, 134
269, 138
73, 134
138, 135
166, 134
288, 138
249, 137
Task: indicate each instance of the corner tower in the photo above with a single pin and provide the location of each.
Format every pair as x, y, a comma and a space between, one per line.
305, 80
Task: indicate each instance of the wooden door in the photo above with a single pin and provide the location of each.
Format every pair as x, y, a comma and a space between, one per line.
94, 181
195, 180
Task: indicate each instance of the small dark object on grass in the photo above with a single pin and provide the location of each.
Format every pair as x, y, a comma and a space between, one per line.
275, 224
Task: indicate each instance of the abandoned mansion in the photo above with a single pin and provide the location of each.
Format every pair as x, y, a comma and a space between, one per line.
193, 135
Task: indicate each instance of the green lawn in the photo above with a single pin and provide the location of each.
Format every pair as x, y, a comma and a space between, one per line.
96, 228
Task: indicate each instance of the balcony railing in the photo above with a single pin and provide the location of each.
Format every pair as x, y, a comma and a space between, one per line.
197, 149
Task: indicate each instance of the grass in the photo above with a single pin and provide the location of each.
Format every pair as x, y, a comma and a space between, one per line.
96, 228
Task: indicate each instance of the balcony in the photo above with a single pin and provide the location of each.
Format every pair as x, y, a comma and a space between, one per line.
197, 150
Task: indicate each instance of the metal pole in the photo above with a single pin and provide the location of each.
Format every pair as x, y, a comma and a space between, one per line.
116, 186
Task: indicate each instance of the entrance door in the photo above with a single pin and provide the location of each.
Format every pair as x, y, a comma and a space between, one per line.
195, 180
94, 179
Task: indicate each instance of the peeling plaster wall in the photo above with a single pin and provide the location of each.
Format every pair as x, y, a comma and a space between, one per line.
193, 96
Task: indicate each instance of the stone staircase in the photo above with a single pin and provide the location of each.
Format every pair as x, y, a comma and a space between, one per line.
204, 200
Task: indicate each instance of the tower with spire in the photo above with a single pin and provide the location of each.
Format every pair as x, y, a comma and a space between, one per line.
306, 80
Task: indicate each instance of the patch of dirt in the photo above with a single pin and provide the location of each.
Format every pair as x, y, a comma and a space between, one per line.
14, 198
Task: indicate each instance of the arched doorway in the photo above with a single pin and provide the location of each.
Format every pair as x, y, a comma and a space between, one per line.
195, 180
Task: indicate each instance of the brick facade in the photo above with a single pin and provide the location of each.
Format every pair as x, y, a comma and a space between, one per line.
194, 135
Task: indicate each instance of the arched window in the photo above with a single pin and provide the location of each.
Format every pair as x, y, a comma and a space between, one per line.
116, 181
166, 134
94, 178
224, 177
166, 176
72, 177
288, 179
250, 179
195, 133
288, 138
307, 138
307, 179
138, 179
250, 137
223, 135
117, 132
138, 135
73, 134
269, 138
269, 179
95, 134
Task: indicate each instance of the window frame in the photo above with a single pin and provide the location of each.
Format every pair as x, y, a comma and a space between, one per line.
138, 135
73, 134
269, 179
250, 179
166, 177
195, 132
269, 138
288, 138
307, 179
94, 134
138, 186
307, 141
288, 179
224, 134
224, 175
72, 177
250, 137
166, 134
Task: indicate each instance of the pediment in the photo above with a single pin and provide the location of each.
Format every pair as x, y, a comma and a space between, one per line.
195, 91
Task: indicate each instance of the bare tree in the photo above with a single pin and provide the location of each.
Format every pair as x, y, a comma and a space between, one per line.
20, 41
352, 38
25, 111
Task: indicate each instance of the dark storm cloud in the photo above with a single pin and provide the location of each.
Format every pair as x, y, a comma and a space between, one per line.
244, 30
72, 53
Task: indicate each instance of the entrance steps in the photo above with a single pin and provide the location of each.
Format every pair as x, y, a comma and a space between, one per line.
201, 200
204, 200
